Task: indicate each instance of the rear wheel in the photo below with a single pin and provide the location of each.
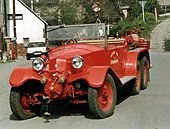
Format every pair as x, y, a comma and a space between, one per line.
102, 100
20, 101
144, 73
135, 84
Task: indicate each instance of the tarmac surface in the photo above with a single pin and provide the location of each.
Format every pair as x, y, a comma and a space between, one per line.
148, 110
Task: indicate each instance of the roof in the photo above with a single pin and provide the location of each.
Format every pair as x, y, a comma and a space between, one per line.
28, 2
51, 20
32, 12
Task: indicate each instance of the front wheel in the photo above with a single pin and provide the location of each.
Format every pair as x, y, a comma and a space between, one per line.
19, 101
102, 100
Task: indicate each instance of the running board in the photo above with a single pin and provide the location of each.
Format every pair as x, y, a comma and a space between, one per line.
126, 79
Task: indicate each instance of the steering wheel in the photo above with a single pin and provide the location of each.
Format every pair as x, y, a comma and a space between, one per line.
71, 39
132, 38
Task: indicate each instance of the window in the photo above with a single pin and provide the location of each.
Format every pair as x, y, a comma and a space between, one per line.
26, 41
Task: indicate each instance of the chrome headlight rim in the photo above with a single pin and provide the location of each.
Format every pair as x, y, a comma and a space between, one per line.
77, 62
41, 64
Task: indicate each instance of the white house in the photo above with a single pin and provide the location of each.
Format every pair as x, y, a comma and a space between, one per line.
164, 2
29, 26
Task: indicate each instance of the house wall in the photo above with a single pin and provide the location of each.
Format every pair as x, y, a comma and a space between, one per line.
164, 2
29, 27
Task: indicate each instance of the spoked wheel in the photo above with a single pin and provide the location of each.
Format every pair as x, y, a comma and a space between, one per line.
69, 41
132, 38
20, 101
135, 84
144, 73
102, 100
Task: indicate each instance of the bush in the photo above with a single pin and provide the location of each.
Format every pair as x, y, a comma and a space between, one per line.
137, 23
149, 18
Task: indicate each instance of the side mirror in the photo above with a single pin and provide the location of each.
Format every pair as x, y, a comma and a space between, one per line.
96, 7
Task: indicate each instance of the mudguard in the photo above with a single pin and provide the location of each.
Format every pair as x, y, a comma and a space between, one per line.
131, 64
21, 75
95, 76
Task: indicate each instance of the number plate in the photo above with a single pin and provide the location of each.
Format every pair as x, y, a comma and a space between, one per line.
37, 53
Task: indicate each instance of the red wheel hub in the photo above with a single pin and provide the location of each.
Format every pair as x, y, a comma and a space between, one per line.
25, 99
138, 79
24, 102
105, 96
145, 73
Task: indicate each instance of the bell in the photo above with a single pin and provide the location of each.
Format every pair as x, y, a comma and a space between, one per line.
62, 79
43, 80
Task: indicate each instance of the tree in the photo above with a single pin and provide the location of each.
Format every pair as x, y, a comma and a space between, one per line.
116, 4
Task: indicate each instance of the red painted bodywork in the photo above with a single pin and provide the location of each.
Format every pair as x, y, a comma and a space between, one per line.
22, 74
98, 61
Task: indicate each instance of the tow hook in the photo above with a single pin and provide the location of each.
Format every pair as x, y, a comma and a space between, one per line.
47, 114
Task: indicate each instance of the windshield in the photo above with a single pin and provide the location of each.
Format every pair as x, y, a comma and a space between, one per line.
36, 44
78, 32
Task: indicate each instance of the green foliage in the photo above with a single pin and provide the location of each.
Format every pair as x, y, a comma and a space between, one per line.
79, 11
136, 10
151, 5
137, 23
68, 13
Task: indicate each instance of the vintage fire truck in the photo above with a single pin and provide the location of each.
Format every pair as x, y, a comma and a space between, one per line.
88, 68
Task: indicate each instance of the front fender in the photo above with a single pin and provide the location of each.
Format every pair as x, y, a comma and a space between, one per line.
95, 76
21, 75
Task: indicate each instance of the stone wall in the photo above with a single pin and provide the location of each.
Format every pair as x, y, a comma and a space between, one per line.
159, 36
22, 51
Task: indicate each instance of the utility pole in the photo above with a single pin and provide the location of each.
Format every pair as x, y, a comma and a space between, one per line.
157, 10
5, 18
14, 27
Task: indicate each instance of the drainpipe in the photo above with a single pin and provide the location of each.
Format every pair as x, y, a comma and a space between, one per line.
2, 30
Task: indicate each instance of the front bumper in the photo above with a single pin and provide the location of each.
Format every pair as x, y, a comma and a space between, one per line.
37, 54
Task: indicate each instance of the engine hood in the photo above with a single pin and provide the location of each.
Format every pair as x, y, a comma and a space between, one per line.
62, 56
69, 51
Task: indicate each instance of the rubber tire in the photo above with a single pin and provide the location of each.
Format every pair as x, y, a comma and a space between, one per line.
144, 73
94, 103
15, 103
133, 90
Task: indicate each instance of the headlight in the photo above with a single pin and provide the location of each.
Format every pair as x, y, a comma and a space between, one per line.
38, 64
77, 62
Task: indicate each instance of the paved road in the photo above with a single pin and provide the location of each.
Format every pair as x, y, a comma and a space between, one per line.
148, 110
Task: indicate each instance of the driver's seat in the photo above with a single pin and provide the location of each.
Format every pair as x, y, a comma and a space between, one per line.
135, 42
